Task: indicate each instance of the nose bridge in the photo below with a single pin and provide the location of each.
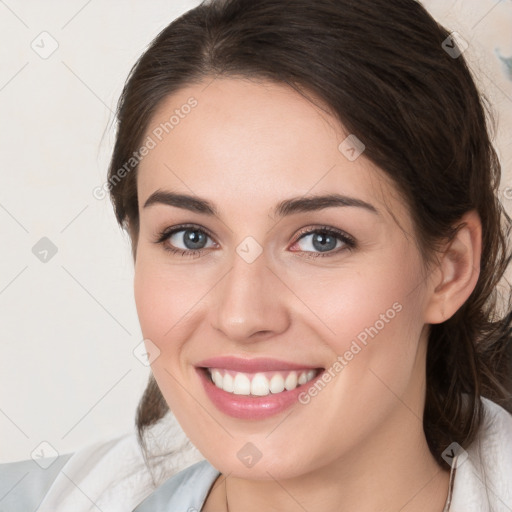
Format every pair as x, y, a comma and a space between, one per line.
248, 300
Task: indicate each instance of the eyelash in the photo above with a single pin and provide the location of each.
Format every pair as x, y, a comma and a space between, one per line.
163, 236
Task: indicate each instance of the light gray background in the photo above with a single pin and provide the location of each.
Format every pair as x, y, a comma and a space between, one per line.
68, 375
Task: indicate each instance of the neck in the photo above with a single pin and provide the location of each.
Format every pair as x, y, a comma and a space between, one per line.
394, 470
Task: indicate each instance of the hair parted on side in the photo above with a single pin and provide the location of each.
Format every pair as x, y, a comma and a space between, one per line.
381, 69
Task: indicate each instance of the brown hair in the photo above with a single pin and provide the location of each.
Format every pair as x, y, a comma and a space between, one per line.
381, 68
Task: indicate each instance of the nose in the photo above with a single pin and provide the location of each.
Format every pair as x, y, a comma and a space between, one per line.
250, 302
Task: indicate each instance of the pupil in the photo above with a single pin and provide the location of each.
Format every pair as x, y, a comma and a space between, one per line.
324, 241
195, 238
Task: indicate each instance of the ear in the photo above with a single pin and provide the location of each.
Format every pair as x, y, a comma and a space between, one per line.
456, 275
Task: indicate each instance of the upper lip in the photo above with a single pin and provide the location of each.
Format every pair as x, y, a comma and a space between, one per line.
253, 365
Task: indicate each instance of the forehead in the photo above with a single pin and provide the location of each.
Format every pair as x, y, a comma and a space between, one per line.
241, 142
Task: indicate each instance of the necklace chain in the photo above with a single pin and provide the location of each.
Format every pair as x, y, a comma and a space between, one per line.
226, 491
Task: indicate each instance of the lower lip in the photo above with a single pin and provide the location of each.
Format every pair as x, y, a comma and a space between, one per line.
249, 407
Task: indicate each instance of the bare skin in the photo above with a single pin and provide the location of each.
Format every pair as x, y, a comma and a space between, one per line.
359, 443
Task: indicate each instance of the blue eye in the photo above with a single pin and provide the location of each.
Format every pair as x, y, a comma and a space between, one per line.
326, 240
192, 237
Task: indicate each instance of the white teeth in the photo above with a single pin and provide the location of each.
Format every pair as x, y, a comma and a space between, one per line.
227, 383
217, 378
277, 383
291, 381
259, 384
241, 384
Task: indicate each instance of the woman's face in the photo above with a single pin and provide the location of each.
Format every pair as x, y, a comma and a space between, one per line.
344, 308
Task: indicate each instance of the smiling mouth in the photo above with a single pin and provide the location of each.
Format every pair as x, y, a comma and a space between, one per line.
260, 383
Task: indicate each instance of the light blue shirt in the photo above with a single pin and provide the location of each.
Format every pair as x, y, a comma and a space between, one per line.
184, 492
24, 484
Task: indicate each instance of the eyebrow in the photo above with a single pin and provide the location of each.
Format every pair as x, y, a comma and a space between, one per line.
284, 208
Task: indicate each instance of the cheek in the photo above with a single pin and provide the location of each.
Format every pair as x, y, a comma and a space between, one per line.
151, 301
161, 294
372, 321
170, 306
162, 301
378, 302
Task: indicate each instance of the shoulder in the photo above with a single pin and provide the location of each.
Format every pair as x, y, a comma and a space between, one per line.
113, 474
24, 484
187, 490
483, 477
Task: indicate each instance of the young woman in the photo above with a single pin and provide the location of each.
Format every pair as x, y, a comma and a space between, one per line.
312, 199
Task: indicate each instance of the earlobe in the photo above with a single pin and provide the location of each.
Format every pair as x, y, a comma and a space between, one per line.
458, 271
